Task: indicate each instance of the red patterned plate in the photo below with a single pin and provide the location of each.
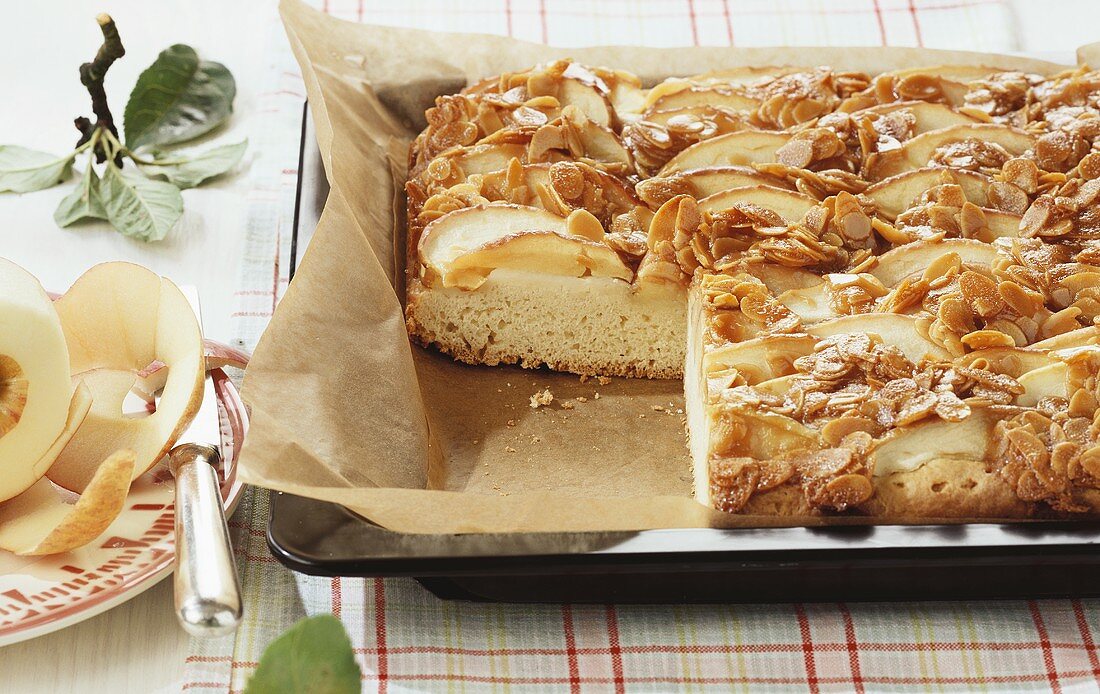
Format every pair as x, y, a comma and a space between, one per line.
39, 595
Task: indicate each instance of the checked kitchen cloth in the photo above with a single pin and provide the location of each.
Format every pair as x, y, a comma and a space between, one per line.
407, 640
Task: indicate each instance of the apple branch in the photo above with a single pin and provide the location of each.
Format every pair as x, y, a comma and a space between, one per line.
91, 76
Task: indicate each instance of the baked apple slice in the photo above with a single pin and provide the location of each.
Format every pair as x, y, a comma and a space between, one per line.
1010, 361
118, 319
739, 148
482, 159
500, 186
914, 258
780, 278
927, 115
812, 304
574, 134
743, 76
712, 95
1082, 337
788, 204
895, 194
894, 329
464, 246
951, 82
917, 152
909, 447
700, 183
760, 359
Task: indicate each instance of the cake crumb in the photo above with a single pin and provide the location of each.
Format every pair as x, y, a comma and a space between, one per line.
509, 449
582, 399
596, 396
603, 380
511, 422
584, 378
535, 439
541, 398
657, 408
567, 404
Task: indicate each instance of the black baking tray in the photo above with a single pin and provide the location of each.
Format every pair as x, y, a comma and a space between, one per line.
927, 562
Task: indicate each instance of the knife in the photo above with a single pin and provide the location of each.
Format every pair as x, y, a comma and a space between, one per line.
207, 590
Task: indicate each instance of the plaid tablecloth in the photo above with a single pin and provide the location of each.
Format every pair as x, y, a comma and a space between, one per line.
407, 640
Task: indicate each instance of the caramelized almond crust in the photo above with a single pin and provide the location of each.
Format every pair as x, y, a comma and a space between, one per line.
943, 488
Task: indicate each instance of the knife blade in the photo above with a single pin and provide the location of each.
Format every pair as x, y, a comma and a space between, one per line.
207, 589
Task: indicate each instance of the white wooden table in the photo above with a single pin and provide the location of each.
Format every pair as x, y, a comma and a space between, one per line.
138, 647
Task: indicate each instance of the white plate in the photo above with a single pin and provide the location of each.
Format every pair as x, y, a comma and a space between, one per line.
40, 595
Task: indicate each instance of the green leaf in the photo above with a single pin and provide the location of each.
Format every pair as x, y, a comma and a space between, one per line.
190, 172
25, 170
178, 98
82, 203
137, 206
312, 657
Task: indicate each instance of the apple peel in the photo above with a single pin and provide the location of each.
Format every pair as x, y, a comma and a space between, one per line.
38, 521
118, 319
218, 355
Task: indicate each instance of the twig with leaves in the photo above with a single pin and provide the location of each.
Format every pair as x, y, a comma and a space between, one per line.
176, 100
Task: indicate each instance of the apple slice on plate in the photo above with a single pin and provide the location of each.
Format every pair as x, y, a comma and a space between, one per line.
118, 319
38, 521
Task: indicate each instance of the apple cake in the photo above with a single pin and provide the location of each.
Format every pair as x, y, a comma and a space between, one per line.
881, 291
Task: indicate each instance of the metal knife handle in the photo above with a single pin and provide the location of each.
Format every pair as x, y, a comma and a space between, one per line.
208, 593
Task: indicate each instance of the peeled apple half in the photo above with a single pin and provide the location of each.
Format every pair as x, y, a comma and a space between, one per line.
118, 320
36, 390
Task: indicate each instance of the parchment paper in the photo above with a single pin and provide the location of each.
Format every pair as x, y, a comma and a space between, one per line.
345, 410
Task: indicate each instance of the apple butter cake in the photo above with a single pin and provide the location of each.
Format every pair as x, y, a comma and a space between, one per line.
881, 291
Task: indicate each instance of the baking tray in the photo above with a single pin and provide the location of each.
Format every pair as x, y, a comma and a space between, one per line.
928, 562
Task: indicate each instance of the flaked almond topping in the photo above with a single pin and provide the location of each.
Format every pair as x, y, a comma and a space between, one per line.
1007, 197
584, 224
971, 154
1022, 173
1048, 455
809, 146
733, 481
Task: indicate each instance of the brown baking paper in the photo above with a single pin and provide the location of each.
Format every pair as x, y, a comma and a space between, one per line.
345, 410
